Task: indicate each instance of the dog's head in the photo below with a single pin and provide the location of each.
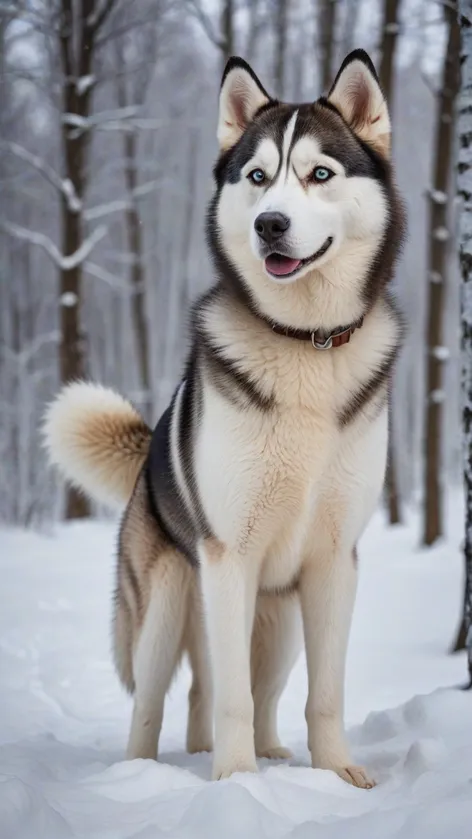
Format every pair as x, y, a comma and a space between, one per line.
304, 194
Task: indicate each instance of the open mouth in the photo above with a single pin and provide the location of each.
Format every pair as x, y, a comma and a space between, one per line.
284, 266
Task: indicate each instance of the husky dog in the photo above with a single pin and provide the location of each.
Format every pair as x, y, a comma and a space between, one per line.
245, 504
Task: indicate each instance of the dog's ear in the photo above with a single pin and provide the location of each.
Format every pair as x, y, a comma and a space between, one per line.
241, 96
357, 95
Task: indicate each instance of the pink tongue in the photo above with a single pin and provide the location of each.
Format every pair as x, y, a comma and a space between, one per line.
280, 265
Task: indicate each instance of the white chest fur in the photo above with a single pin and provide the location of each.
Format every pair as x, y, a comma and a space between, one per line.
272, 482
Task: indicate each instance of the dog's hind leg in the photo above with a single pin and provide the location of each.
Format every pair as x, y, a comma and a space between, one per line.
200, 718
276, 643
157, 650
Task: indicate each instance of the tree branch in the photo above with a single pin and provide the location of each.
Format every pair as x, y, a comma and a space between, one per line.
65, 263
65, 187
206, 24
101, 11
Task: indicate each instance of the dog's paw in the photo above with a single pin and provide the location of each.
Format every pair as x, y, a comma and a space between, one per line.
355, 775
274, 753
196, 746
221, 770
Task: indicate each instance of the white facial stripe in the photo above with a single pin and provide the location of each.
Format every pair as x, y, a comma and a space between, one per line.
287, 142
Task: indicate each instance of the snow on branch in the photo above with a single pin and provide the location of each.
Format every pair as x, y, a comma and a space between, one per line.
437, 196
82, 124
65, 263
105, 276
437, 397
440, 353
106, 209
66, 187
31, 349
441, 234
133, 124
84, 83
121, 204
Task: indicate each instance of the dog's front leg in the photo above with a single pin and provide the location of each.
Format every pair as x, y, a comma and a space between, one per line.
229, 586
327, 590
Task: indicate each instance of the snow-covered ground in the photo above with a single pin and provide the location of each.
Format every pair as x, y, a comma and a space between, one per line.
64, 718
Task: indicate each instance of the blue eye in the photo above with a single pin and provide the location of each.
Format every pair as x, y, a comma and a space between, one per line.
257, 177
322, 173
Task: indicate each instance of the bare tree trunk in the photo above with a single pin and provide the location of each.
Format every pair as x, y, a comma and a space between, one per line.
325, 47
253, 30
391, 477
437, 266
77, 42
133, 92
280, 26
465, 252
461, 637
15, 430
138, 277
349, 26
227, 30
72, 362
386, 75
223, 36
389, 37
188, 223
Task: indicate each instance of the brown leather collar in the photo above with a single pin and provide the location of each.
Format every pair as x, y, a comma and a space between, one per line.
320, 340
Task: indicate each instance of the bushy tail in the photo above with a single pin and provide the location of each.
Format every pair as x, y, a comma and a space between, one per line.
98, 441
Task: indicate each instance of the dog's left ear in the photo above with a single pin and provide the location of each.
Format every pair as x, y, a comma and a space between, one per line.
357, 95
241, 96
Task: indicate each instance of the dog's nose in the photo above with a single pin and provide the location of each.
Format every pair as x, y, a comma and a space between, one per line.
271, 226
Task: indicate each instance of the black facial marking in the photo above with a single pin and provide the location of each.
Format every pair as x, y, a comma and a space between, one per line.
322, 121
327, 127
270, 122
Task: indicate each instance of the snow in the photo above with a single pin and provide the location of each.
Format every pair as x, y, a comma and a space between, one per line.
441, 353
84, 83
64, 718
69, 299
439, 197
65, 263
65, 186
441, 234
74, 203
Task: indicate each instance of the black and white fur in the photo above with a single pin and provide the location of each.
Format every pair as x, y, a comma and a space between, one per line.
252, 492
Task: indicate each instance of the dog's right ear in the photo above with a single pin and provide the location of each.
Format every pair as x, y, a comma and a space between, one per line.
241, 96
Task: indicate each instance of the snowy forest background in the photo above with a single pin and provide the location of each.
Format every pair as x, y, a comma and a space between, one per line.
107, 140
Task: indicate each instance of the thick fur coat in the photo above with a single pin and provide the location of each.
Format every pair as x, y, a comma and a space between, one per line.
245, 505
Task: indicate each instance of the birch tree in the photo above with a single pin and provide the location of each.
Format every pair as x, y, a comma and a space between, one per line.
439, 236
464, 182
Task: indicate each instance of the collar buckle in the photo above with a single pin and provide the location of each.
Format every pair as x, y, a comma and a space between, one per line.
324, 345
